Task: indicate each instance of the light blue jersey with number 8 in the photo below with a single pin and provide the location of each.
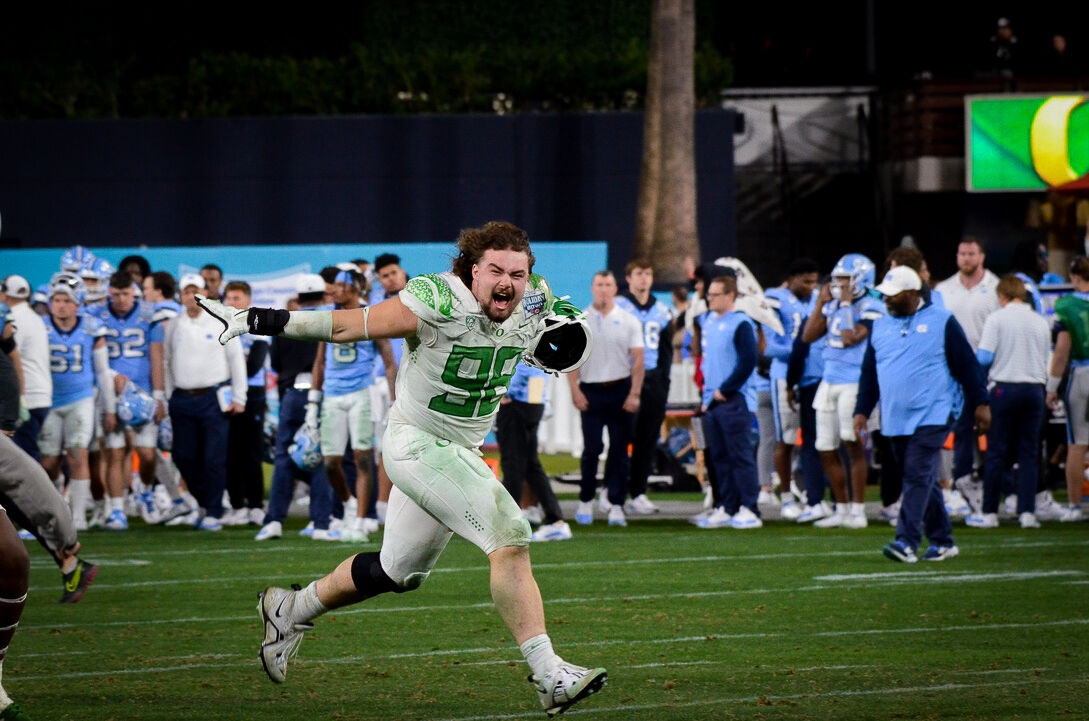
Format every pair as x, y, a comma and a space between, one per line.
349, 367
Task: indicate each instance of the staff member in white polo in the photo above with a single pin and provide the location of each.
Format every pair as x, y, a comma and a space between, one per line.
1014, 346
32, 341
606, 391
970, 296
198, 370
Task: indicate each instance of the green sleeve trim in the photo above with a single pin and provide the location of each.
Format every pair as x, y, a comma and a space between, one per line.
434, 292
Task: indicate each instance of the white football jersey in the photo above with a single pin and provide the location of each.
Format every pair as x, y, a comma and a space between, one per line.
458, 365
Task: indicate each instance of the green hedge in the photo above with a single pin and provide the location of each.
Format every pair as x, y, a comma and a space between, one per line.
407, 57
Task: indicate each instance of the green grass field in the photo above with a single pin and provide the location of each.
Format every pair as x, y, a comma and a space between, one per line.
782, 623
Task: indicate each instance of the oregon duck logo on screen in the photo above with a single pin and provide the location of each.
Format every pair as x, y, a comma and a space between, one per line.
1028, 143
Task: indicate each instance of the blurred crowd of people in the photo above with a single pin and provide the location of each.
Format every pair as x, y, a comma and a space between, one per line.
790, 390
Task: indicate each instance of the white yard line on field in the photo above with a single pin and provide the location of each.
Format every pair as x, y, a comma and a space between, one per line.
446, 653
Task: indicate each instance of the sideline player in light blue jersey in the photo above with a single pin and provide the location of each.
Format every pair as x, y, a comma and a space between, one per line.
657, 322
341, 379
845, 319
392, 279
159, 288
134, 341
791, 303
77, 359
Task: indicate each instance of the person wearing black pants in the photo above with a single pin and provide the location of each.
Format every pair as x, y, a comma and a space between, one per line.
657, 323
607, 390
246, 444
199, 369
520, 413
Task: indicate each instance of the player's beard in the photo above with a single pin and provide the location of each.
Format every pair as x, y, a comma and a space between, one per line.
497, 314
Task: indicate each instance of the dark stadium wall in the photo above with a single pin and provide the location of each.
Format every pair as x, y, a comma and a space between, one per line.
570, 177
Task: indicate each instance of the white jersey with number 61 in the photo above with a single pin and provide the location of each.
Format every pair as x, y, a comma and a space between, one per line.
458, 365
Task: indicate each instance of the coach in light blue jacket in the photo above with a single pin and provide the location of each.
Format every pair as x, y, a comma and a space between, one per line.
922, 368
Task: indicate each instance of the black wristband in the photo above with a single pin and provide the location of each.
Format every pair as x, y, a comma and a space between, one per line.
267, 321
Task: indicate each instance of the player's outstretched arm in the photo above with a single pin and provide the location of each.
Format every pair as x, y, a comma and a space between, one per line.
388, 319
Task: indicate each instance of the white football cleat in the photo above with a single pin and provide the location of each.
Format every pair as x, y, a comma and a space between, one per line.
790, 510
836, 520
282, 637
855, 520
814, 513
566, 685
955, 505
972, 490
1028, 520
272, 529
718, 518
603, 504
1046, 507
584, 513
641, 506
1071, 513
982, 520
767, 498
558, 531
616, 516
327, 534
745, 519
533, 514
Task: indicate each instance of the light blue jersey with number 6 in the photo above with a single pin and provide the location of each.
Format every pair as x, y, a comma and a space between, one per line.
349, 367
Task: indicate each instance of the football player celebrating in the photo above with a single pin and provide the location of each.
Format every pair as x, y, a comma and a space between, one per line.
466, 331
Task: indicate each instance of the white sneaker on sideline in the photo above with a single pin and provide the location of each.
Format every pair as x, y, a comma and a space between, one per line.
1071, 514
309, 530
370, 525
982, 520
814, 513
890, 513
534, 515
282, 637
1047, 509
603, 504
1028, 520
272, 529
955, 505
209, 523
702, 515
855, 520
566, 685
718, 518
790, 510
1010, 505
558, 531
237, 517
641, 506
584, 513
745, 519
972, 491
189, 518
616, 516
328, 534
767, 498
834, 521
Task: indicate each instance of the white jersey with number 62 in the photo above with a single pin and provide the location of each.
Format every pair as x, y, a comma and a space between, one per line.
458, 365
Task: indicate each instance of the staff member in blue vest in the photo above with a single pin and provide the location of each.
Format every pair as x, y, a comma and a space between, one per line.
657, 322
923, 369
728, 339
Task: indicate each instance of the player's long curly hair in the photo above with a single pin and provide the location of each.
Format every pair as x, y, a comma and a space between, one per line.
495, 235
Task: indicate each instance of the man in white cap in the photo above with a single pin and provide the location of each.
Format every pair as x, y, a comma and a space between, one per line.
926, 345
205, 382
32, 341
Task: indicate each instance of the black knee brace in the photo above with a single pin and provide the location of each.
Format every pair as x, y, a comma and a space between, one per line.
369, 578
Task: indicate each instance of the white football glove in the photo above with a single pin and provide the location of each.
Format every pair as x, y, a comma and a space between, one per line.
233, 320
